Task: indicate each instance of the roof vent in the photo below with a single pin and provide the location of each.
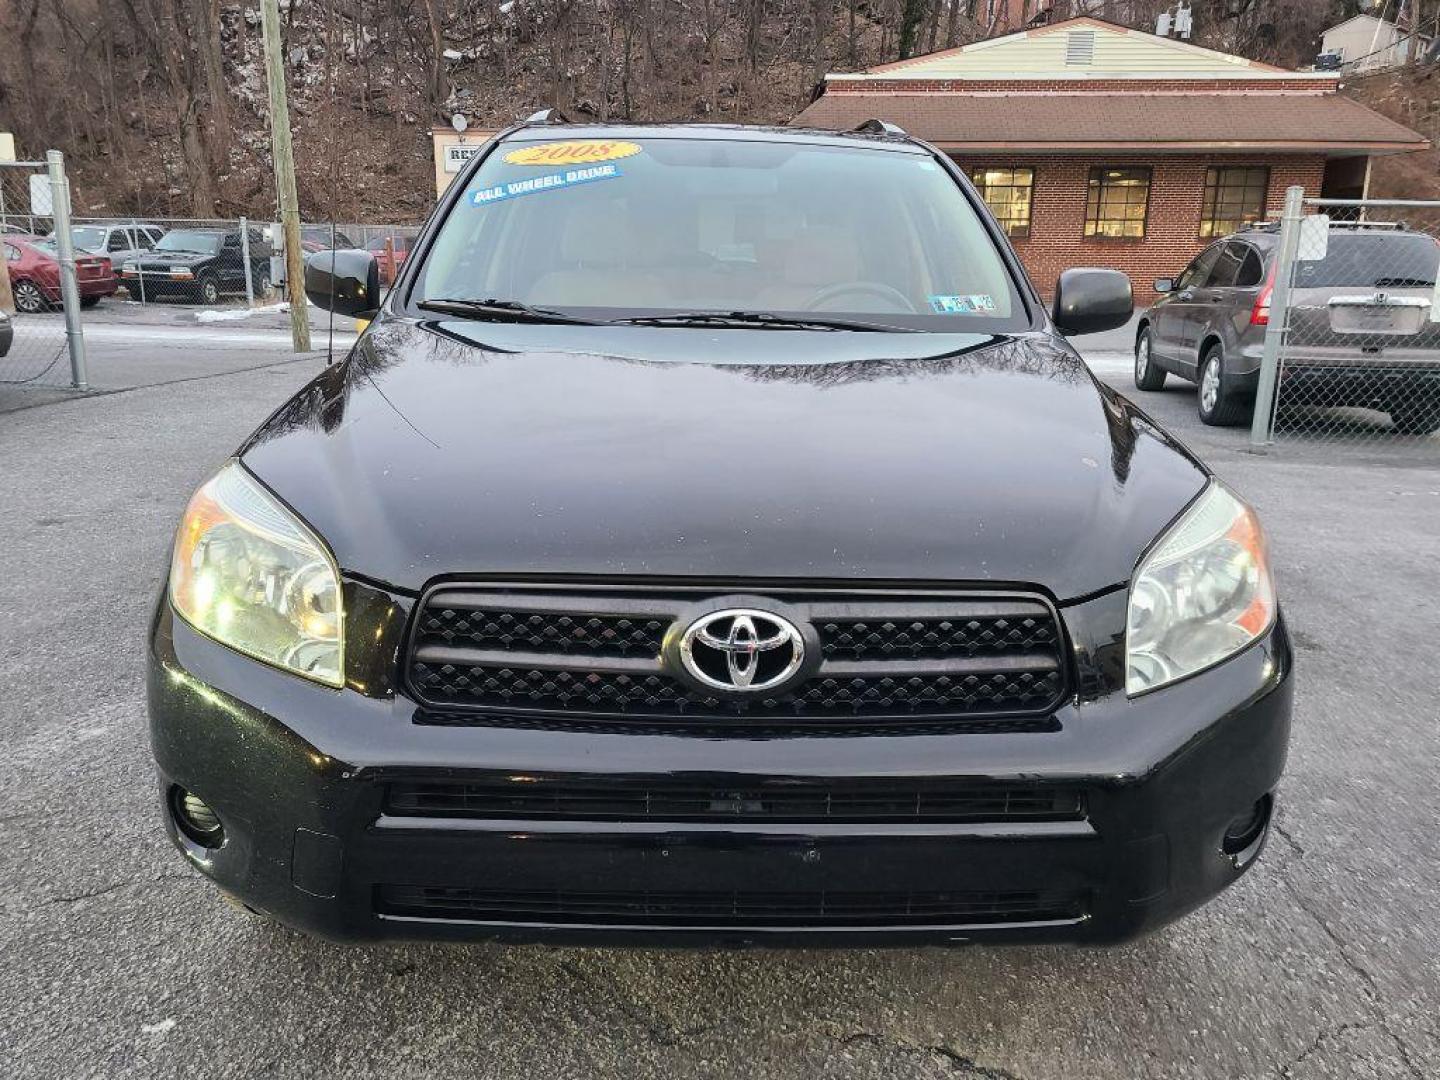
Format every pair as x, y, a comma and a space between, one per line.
1079, 48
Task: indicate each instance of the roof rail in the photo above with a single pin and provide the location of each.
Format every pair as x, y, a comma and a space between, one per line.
547, 116
1397, 226
880, 127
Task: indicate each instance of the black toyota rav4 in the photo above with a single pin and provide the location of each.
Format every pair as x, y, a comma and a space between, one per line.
713, 539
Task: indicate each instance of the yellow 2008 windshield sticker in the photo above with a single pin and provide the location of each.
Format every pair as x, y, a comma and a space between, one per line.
575, 152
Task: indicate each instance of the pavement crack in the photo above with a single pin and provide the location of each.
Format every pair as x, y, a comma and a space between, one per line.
1284, 834
105, 890
656, 1028
90, 894
1322, 1036
1374, 998
964, 1066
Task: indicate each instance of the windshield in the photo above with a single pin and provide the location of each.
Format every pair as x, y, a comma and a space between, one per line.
613, 229
181, 240
88, 237
1373, 260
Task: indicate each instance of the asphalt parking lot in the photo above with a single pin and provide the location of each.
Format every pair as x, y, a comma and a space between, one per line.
119, 961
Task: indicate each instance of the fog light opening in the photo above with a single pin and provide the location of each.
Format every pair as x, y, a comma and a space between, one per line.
1244, 833
196, 819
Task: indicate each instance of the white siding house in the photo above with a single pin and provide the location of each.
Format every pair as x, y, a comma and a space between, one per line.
1366, 43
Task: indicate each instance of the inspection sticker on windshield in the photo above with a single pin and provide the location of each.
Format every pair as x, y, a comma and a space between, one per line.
976, 304
574, 152
548, 182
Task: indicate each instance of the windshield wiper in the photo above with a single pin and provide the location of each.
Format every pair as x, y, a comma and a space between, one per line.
764, 319
512, 310
1402, 283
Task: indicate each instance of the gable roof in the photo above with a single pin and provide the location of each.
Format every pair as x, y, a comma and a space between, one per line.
1362, 17
1114, 123
1380, 25
1083, 47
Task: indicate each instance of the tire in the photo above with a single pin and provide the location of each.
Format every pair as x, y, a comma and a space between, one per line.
28, 297
1219, 405
89, 301
138, 296
208, 289
1147, 375
262, 286
1416, 418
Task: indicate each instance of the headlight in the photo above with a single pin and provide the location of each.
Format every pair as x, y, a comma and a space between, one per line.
1202, 594
249, 574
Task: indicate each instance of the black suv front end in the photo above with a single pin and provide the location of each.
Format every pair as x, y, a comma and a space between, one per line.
364, 814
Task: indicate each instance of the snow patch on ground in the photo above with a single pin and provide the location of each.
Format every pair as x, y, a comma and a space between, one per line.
210, 315
158, 1029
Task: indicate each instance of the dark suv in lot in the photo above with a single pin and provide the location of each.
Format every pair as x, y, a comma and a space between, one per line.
199, 265
714, 539
1358, 332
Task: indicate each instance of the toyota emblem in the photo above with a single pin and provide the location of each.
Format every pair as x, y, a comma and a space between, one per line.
741, 649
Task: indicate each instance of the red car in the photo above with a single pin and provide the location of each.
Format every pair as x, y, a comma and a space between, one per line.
34, 265
390, 252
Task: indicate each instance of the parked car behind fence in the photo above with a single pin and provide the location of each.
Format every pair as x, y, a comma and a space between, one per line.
34, 266
200, 265
1358, 330
117, 241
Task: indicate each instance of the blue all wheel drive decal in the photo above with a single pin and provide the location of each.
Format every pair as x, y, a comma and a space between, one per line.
532, 185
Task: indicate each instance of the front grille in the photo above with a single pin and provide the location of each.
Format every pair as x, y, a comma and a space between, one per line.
733, 800
727, 908
539, 631
599, 652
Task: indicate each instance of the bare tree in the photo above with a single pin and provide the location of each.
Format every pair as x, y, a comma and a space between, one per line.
438, 90
206, 16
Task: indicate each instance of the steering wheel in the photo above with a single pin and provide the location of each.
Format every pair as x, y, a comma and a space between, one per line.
875, 289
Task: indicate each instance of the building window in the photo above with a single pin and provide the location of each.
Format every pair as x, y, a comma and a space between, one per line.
1234, 197
1117, 203
1007, 192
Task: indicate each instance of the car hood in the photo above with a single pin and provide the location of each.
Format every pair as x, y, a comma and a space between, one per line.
482, 448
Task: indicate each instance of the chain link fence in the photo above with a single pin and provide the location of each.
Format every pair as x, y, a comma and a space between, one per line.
1352, 351
34, 344
221, 262
124, 283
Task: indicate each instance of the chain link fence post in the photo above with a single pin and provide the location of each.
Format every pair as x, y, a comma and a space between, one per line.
69, 287
138, 256
245, 254
7, 296
1262, 426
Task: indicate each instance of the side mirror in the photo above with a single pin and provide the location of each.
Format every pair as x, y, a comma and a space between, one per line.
1089, 300
1164, 285
346, 282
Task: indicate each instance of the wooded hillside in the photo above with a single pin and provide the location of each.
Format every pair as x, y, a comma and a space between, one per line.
160, 108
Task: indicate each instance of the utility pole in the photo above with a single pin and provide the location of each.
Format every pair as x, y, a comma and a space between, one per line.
1417, 28
285, 174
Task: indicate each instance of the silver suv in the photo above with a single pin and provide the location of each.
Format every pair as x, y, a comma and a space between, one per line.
1357, 335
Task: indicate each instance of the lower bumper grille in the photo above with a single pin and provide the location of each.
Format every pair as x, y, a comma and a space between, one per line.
772, 800
727, 909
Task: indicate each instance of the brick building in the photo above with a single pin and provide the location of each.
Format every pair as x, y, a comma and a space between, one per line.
1098, 145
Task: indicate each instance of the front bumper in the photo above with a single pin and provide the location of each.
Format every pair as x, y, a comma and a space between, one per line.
298, 775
